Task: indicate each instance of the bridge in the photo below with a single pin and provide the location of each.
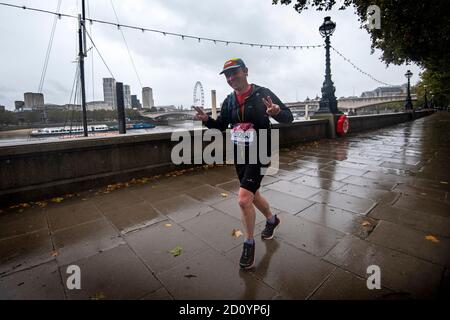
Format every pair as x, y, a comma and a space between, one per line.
297, 108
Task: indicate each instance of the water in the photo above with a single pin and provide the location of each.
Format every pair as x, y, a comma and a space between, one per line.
11, 138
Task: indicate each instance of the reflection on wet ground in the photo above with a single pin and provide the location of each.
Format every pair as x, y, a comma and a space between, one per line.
374, 198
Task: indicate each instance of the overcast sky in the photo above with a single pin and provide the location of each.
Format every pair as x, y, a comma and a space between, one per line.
172, 66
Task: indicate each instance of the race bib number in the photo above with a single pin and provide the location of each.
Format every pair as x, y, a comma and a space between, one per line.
243, 134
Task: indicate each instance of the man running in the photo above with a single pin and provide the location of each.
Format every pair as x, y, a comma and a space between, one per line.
247, 110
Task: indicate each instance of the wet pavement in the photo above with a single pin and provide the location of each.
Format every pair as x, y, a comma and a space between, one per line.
375, 198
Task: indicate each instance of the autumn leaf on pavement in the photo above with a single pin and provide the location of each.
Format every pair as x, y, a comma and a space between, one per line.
57, 200
176, 251
224, 195
237, 233
97, 296
432, 239
365, 223
55, 253
168, 225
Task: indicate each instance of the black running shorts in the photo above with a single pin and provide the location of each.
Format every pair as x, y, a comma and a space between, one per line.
250, 176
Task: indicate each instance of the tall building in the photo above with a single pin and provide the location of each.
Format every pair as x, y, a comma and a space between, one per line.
127, 96
135, 103
109, 92
147, 97
32, 100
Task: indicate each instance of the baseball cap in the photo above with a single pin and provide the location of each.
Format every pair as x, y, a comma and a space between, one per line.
233, 64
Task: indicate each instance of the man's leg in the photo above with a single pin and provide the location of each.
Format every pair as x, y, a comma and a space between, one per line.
245, 201
261, 203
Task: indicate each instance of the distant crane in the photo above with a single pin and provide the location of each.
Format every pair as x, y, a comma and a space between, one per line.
199, 102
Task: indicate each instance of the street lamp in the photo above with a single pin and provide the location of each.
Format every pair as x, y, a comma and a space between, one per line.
328, 102
425, 102
408, 104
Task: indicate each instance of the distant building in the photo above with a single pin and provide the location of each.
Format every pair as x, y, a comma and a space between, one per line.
33, 99
135, 103
147, 97
385, 92
109, 92
19, 105
166, 108
2, 108
127, 96
98, 105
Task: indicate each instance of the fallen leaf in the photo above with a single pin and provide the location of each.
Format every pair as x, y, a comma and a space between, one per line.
41, 204
237, 233
24, 205
432, 239
98, 296
365, 223
55, 253
224, 195
57, 200
168, 225
176, 251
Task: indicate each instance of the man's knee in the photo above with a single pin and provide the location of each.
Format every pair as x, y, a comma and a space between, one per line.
245, 198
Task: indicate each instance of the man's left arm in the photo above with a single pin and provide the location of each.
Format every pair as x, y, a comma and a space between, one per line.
285, 114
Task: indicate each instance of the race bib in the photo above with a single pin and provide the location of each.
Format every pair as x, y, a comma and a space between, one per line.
243, 134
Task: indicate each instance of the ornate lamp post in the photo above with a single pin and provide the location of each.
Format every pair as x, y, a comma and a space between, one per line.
408, 104
328, 102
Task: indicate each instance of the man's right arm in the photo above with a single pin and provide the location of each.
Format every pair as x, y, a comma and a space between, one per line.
222, 120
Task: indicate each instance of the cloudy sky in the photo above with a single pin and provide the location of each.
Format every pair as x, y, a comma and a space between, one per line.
172, 66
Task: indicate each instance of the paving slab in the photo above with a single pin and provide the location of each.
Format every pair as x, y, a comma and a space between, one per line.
181, 208
292, 272
114, 274
317, 182
153, 245
18, 223
343, 201
339, 219
42, 282
294, 189
412, 242
25, 251
423, 204
399, 272
285, 202
134, 217
306, 235
85, 240
69, 215
430, 223
216, 229
197, 279
343, 285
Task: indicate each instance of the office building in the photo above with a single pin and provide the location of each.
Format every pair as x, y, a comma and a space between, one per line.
147, 97
109, 92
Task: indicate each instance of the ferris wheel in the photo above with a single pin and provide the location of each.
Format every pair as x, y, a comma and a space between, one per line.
199, 101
